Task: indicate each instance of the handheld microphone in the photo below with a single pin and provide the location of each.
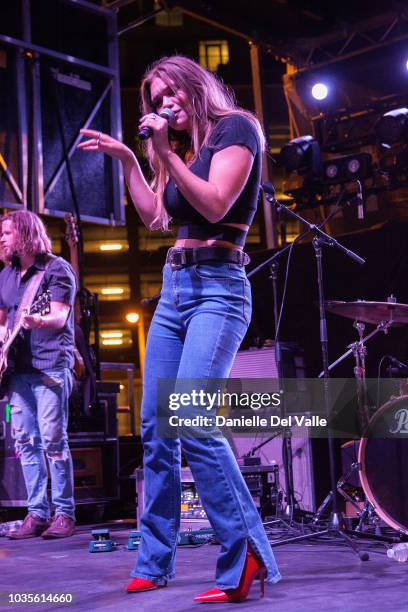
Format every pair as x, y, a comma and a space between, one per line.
360, 203
147, 132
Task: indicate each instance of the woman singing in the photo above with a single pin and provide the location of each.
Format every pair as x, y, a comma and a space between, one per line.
206, 162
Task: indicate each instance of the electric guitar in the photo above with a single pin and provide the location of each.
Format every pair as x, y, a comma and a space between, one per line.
42, 306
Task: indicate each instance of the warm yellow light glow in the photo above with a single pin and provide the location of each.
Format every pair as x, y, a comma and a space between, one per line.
113, 334
113, 290
112, 341
132, 317
111, 246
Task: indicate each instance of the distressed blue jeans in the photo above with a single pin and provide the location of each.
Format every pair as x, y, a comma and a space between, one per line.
199, 323
39, 418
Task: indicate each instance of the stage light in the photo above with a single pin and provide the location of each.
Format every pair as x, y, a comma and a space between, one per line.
112, 342
301, 153
112, 334
320, 91
392, 127
331, 171
112, 291
110, 246
132, 317
347, 168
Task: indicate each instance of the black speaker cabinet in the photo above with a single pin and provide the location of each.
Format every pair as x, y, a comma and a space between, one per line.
12, 487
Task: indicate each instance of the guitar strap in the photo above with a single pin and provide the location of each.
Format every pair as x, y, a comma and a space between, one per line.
29, 294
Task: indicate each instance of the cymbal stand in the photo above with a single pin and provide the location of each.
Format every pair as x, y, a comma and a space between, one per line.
360, 352
381, 327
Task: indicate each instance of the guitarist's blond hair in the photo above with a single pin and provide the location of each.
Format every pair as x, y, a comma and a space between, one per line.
32, 237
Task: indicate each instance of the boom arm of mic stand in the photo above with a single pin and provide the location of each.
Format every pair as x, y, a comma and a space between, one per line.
271, 199
322, 236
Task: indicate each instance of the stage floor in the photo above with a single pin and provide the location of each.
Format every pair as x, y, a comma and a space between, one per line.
316, 576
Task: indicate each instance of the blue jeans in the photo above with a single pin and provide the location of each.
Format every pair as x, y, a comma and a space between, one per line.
199, 323
39, 418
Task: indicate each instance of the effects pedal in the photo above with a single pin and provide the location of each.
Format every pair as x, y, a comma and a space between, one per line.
101, 541
134, 540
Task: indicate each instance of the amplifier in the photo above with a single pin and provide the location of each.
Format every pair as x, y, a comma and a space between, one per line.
95, 466
263, 484
261, 363
13, 491
253, 364
192, 513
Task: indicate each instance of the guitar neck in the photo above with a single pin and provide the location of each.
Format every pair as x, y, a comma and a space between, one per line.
74, 259
13, 335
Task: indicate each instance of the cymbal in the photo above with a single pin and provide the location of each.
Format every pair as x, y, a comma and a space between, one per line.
370, 312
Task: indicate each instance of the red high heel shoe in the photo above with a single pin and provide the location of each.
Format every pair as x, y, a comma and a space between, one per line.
138, 585
252, 568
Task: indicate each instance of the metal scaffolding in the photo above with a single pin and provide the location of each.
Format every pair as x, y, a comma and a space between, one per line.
28, 66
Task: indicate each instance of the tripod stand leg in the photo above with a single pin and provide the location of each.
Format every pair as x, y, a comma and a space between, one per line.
307, 536
364, 556
327, 500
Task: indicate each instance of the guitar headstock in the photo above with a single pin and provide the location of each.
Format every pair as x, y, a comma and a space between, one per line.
42, 304
71, 229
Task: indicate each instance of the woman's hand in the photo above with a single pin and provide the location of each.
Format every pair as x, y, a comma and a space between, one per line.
160, 136
103, 143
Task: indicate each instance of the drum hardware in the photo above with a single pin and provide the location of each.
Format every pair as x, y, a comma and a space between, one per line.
371, 312
384, 501
382, 314
367, 516
360, 352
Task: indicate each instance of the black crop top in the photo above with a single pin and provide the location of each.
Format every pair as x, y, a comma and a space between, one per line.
234, 129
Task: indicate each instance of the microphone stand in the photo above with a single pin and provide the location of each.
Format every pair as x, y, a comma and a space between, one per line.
336, 521
286, 432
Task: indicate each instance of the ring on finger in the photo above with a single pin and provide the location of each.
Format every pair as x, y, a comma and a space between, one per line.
98, 140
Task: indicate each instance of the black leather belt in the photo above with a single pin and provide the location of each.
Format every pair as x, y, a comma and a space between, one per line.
180, 258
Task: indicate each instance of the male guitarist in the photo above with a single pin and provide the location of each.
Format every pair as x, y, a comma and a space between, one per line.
41, 365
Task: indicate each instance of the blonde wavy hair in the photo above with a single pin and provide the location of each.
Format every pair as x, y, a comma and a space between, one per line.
32, 237
209, 101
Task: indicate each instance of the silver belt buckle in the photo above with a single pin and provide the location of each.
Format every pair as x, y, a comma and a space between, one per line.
246, 259
177, 260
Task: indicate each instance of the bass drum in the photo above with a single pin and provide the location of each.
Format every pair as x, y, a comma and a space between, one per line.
383, 463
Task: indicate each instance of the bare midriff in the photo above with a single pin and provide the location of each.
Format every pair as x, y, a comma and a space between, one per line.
194, 243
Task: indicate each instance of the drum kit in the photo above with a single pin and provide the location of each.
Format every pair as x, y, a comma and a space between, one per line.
382, 459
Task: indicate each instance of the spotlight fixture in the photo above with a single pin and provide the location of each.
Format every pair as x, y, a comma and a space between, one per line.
320, 91
301, 154
392, 127
347, 168
132, 317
